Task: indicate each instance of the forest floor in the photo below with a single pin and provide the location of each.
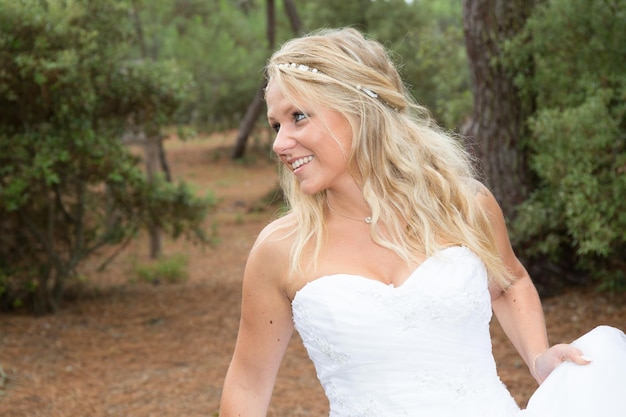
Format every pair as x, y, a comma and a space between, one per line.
120, 346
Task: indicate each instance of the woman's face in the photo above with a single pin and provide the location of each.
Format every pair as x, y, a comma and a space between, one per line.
314, 145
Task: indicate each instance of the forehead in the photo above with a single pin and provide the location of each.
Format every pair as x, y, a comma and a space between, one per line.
273, 93
277, 102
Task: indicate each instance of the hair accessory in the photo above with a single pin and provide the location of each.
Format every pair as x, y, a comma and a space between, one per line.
301, 67
367, 91
359, 87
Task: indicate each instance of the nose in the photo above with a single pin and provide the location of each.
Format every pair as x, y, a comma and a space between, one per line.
283, 142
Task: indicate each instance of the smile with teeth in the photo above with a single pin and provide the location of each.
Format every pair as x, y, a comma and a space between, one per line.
299, 162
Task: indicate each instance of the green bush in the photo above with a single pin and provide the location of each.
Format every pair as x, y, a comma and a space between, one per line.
172, 269
68, 187
578, 143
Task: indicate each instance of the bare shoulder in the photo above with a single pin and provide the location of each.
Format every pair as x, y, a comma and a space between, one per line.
478, 187
276, 234
490, 205
270, 253
485, 198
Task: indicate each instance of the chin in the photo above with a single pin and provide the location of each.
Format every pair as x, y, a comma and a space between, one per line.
309, 189
308, 192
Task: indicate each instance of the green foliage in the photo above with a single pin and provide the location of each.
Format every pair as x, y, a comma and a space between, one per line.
45, 52
172, 269
174, 208
68, 187
435, 63
223, 46
151, 91
578, 143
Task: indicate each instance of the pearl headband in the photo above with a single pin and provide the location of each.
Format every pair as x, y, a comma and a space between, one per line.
359, 87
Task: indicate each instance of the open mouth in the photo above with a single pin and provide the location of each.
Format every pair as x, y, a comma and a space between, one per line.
301, 161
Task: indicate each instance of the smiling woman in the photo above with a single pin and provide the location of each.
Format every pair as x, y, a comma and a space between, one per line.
392, 259
309, 140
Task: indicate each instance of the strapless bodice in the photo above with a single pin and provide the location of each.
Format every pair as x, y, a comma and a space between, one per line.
420, 349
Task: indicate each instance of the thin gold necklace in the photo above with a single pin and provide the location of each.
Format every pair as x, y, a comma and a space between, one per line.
367, 220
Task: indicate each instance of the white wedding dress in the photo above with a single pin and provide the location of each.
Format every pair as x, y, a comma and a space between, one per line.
424, 349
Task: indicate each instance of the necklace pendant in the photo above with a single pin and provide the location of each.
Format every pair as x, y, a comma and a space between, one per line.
367, 220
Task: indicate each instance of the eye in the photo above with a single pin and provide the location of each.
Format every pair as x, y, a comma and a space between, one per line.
276, 127
298, 116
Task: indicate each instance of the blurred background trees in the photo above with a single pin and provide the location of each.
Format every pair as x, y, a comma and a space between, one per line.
70, 87
78, 75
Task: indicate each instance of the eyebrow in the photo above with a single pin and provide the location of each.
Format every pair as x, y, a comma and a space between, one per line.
289, 110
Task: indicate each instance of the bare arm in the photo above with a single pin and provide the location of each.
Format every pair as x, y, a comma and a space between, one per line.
519, 309
264, 332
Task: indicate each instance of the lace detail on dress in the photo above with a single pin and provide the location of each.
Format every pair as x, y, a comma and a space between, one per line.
350, 407
459, 385
311, 338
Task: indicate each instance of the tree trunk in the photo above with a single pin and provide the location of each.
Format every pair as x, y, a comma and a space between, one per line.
247, 123
154, 150
163, 160
256, 106
498, 123
152, 153
294, 18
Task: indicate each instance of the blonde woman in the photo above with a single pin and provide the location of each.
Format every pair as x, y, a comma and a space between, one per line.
391, 258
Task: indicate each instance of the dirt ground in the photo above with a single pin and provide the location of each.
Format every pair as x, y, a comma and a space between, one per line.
122, 347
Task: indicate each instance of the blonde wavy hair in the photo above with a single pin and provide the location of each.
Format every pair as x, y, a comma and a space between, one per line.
416, 178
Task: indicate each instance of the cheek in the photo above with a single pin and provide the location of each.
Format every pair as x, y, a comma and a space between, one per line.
344, 135
345, 143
